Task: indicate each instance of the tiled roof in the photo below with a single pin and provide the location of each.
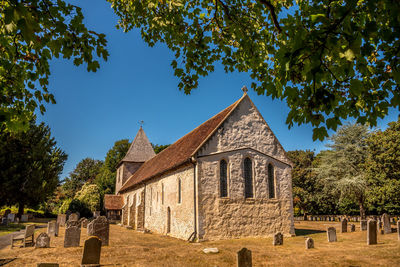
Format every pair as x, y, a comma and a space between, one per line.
179, 152
113, 202
140, 149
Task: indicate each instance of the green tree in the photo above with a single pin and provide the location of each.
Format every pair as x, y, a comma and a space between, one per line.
30, 165
32, 33
383, 169
327, 59
158, 148
90, 196
341, 169
85, 172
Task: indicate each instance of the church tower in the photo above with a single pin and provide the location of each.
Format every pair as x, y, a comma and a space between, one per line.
139, 152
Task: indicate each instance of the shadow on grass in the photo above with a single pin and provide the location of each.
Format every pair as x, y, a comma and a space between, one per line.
300, 232
6, 261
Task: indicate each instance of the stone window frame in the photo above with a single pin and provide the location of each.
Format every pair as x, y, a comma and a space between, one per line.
162, 194
253, 178
275, 180
227, 178
179, 194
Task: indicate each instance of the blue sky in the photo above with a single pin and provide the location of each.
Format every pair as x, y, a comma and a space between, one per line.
94, 110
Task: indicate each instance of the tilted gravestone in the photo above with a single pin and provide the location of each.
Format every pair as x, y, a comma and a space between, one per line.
101, 228
52, 228
331, 233
363, 225
278, 239
244, 258
42, 241
372, 232
84, 223
343, 225
73, 217
387, 228
72, 236
61, 219
24, 217
91, 251
352, 227
309, 243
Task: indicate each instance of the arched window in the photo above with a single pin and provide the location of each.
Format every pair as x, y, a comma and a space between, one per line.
248, 178
223, 180
271, 181
179, 190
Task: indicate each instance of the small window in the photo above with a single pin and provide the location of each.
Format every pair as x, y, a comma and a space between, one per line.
223, 179
179, 190
248, 178
271, 181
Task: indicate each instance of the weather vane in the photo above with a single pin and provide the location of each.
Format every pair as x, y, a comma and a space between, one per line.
141, 123
244, 89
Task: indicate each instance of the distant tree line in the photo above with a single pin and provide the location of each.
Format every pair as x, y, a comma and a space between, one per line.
358, 174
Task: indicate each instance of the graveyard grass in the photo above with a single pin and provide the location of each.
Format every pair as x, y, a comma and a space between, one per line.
12, 227
130, 248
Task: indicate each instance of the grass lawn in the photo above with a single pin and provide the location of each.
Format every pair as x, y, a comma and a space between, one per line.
12, 227
129, 248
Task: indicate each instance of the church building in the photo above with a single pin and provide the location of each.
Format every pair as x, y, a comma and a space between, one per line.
228, 178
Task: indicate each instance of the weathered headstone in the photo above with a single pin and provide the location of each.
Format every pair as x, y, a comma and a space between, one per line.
52, 228
343, 225
91, 251
24, 217
398, 229
73, 223
61, 219
101, 228
386, 224
331, 232
363, 225
372, 232
11, 217
72, 236
244, 258
278, 239
352, 227
73, 217
309, 243
47, 265
42, 241
4, 221
84, 223
96, 214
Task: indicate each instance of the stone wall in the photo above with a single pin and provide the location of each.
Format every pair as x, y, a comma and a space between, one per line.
124, 171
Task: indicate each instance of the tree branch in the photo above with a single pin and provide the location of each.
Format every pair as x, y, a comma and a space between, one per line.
273, 14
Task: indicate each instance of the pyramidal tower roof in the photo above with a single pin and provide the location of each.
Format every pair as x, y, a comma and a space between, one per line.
140, 149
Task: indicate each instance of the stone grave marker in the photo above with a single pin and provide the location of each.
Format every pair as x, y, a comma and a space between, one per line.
96, 214
11, 217
99, 227
309, 243
52, 228
91, 251
363, 225
61, 219
42, 241
398, 229
278, 239
372, 232
73, 217
352, 227
343, 225
244, 258
386, 224
84, 223
4, 221
331, 232
24, 217
72, 236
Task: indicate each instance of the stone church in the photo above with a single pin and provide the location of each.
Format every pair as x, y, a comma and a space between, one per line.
228, 178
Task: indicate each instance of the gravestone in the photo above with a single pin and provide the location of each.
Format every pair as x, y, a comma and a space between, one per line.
73, 223
52, 228
398, 229
91, 251
4, 221
42, 241
61, 219
278, 239
352, 227
309, 243
6, 212
99, 227
96, 214
363, 225
47, 265
72, 236
24, 217
11, 217
244, 258
386, 224
84, 223
343, 225
372, 232
331, 232
73, 217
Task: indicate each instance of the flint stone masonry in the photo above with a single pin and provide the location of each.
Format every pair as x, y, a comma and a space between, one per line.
309, 243
244, 258
372, 232
331, 233
72, 236
52, 228
363, 225
278, 239
42, 241
386, 224
99, 227
91, 251
352, 227
61, 219
343, 225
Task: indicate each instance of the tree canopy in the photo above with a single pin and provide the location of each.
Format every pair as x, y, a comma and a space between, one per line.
329, 60
32, 33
